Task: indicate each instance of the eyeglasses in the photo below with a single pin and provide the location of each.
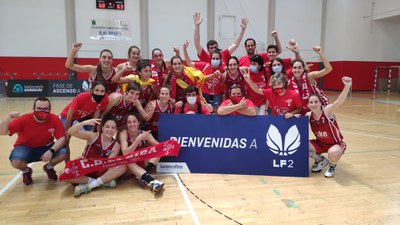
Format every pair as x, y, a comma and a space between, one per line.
40, 109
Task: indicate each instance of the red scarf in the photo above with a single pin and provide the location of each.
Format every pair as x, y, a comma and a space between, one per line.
82, 166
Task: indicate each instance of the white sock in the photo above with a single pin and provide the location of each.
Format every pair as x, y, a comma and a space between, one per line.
95, 183
315, 156
91, 180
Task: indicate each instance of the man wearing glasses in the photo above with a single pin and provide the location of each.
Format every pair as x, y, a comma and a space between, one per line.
41, 137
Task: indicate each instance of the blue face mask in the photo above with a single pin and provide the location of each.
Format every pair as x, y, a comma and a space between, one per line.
277, 69
215, 63
253, 69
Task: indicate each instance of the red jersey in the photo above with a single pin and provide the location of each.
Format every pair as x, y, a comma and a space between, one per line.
146, 95
325, 130
229, 81
97, 150
280, 105
121, 109
259, 80
210, 87
249, 103
205, 57
158, 75
34, 134
153, 122
305, 89
178, 110
83, 106
111, 86
142, 144
245, 60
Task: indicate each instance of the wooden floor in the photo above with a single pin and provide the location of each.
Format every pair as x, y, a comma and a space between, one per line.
365, 189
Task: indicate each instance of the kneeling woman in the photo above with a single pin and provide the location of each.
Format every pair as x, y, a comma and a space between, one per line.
132, 139
99, 145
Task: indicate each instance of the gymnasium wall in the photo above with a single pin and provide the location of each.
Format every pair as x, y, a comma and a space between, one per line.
355, 35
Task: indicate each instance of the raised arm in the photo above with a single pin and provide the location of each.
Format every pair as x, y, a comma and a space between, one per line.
6, 121
331, 108
238, 39
185, 53
76, 67
76, 130
292, 46
255, 88
278, 44
197, 21
327, 66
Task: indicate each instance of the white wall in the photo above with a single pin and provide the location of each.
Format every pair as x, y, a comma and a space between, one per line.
171, 23
352, 35
300, 20
32, 28
86, 11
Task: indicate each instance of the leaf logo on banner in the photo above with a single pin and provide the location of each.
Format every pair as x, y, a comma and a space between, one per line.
85, 85
291, 143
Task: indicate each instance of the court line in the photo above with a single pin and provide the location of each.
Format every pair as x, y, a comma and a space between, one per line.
188, 203
9, 184
368, 135
373, 151
367, 120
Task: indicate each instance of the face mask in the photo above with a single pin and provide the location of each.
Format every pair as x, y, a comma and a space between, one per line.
253, 69
97, 98
215, 62
42, 116
236, 99
278, 90
277, 69
191, 100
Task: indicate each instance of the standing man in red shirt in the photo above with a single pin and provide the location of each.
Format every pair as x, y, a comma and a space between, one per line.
41, 137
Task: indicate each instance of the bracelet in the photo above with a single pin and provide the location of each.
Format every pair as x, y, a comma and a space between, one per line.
52, 151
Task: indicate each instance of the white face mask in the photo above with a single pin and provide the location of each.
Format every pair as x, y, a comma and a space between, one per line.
191, 100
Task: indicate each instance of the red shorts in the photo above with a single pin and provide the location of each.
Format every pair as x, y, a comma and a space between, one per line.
321, 147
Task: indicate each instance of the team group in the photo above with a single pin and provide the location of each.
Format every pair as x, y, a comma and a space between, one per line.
120, 112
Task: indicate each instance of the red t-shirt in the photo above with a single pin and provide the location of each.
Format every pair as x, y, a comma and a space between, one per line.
205, 57
34, 134
245, 60
186, 109
259, 80
280, 105
83, 106
210, 87
249, 103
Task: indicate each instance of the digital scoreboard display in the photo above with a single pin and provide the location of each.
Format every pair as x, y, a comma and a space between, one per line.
110, 4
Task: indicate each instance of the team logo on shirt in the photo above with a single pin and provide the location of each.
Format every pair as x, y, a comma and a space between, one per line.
51, 131
283, 147
289, 102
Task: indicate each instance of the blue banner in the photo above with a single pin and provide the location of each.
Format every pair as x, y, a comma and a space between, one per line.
261, 145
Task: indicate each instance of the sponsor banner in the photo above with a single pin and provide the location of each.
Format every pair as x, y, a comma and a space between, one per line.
67, 87
27, 88
3, 92
261, 145
172, 167
109, 29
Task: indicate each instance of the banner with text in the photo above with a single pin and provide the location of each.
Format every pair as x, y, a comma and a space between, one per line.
261, 145
67, 87
27, 88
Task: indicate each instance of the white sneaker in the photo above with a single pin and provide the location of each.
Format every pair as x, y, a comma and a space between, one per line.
319, 165
110, 184
157, 186
331, 171
81, 189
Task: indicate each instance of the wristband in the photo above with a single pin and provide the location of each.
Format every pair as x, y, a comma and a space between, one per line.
52, 151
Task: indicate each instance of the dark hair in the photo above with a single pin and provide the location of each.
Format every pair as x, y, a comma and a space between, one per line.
258, 59
164, 66
279, 60
42, 99
272, 46
142, 65
135, 114
249, 39
232, 57
316, 95
99, 70
169, 76
108, 116
168, 87
217, 51
130, 49
98, 82
133, 85
191, 88
212, 42
234, 86
300, 61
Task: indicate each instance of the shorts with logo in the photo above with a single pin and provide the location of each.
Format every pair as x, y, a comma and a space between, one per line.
321, 147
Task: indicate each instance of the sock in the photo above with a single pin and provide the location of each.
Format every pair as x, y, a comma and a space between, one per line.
49, 166
149, 167
315, 156
91, 180
332, 165
95, 183
147, 177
